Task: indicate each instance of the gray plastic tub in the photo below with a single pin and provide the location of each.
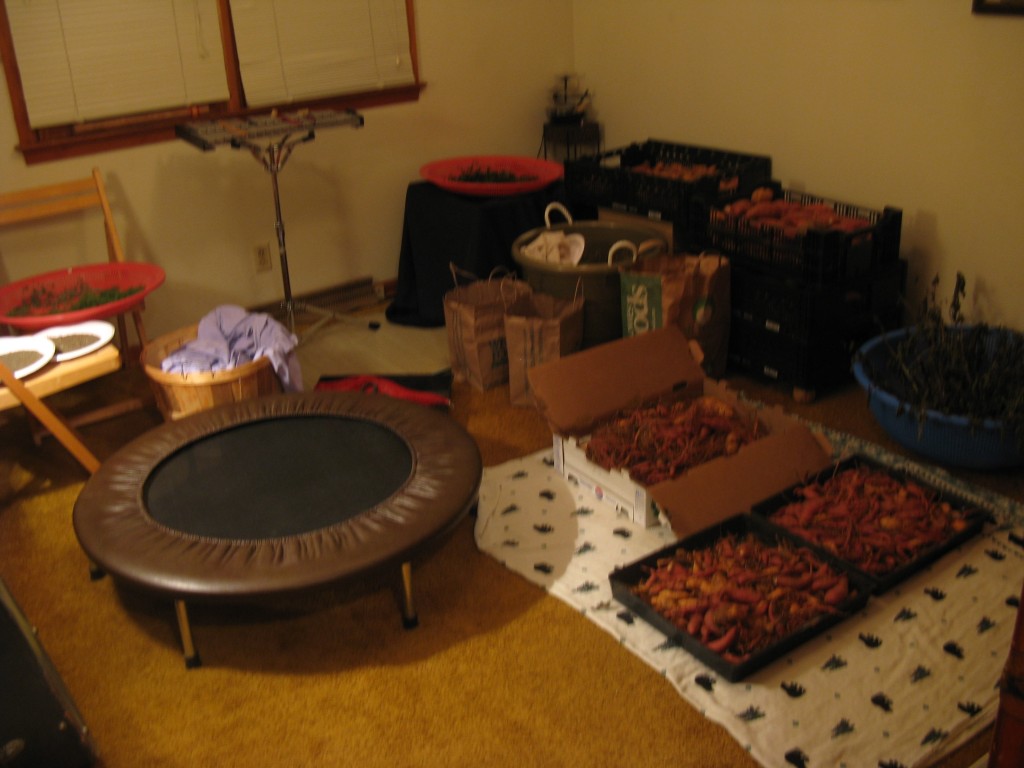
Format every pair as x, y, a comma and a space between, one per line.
608, 247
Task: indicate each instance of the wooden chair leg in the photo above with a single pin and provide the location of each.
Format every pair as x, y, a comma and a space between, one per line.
128, 405
52, 421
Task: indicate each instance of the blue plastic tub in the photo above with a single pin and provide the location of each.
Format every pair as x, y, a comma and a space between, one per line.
945, 439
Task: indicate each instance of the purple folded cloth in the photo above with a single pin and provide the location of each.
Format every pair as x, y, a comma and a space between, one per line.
230, 336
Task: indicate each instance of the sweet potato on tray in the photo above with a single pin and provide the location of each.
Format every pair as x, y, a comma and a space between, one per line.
741, 594
873, 519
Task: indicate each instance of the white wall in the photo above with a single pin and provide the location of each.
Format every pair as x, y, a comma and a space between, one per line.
916, 104
488, 68
912, 103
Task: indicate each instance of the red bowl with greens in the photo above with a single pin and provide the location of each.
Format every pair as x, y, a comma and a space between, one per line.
76, 294
492, 175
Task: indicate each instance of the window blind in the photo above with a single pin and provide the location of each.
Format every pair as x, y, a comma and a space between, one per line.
89, 59
294, 50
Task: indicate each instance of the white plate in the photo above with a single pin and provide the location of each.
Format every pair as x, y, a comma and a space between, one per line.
101, 329
43, 346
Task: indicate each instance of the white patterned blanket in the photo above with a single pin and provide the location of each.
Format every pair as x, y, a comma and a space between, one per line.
908, 678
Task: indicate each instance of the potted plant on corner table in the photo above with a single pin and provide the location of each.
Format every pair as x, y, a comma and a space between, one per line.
946, 389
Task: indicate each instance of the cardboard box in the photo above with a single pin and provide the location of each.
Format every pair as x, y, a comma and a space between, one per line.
578, 392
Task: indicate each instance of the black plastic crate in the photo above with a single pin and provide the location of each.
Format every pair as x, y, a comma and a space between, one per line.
625, 179
736, 173
808, 365
807, 312
623, 580
814, 255
594, 180
833, 540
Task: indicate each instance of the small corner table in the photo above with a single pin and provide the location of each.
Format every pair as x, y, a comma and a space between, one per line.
473, 233
575, 139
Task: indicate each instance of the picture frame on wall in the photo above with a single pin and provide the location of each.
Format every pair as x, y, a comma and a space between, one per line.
1008, 7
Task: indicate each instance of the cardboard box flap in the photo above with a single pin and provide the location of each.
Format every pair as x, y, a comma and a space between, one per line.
725, 487
579, 390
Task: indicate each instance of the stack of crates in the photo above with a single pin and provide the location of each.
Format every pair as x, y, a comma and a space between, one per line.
663, 181
803, 301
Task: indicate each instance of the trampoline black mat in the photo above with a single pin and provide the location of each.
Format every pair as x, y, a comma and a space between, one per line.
277, 477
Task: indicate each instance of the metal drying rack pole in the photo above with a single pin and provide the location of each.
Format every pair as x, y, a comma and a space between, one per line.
273, 156
281, 130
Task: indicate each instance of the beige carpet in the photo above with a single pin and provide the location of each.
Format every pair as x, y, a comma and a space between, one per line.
368, 343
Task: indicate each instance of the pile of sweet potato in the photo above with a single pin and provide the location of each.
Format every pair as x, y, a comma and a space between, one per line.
793, 218
662, 441
741, 594
870, 518
674, 170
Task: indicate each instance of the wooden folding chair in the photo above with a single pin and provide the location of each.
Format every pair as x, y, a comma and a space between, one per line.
39, 205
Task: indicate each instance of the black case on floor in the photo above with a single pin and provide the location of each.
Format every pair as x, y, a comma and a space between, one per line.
39, 723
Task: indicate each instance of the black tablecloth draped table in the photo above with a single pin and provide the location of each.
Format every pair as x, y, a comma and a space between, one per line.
473, 233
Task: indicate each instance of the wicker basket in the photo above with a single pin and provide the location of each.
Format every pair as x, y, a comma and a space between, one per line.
179, 395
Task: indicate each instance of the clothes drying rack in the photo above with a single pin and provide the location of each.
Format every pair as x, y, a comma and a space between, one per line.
271, 138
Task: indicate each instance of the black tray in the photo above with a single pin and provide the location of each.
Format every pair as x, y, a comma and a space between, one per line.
625, 578
884, 581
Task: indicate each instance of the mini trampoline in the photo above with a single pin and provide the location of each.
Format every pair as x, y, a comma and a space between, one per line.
275, 495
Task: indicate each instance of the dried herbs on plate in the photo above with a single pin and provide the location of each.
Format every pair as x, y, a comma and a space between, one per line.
20, 358
72, 342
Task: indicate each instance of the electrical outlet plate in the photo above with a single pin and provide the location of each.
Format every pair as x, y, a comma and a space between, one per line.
264, 261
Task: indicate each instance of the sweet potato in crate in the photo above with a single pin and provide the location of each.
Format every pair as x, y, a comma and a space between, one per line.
665, 181
805, 236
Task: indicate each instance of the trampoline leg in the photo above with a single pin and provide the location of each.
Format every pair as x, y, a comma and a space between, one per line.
409, 617
191, 657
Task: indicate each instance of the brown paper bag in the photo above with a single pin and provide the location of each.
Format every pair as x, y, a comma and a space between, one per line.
539, 328
686, 290
704, 311
474, 317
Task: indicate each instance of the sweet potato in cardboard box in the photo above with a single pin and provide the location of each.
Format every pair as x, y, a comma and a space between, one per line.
579, 392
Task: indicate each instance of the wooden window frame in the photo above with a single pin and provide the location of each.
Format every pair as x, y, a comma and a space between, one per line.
39, 145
